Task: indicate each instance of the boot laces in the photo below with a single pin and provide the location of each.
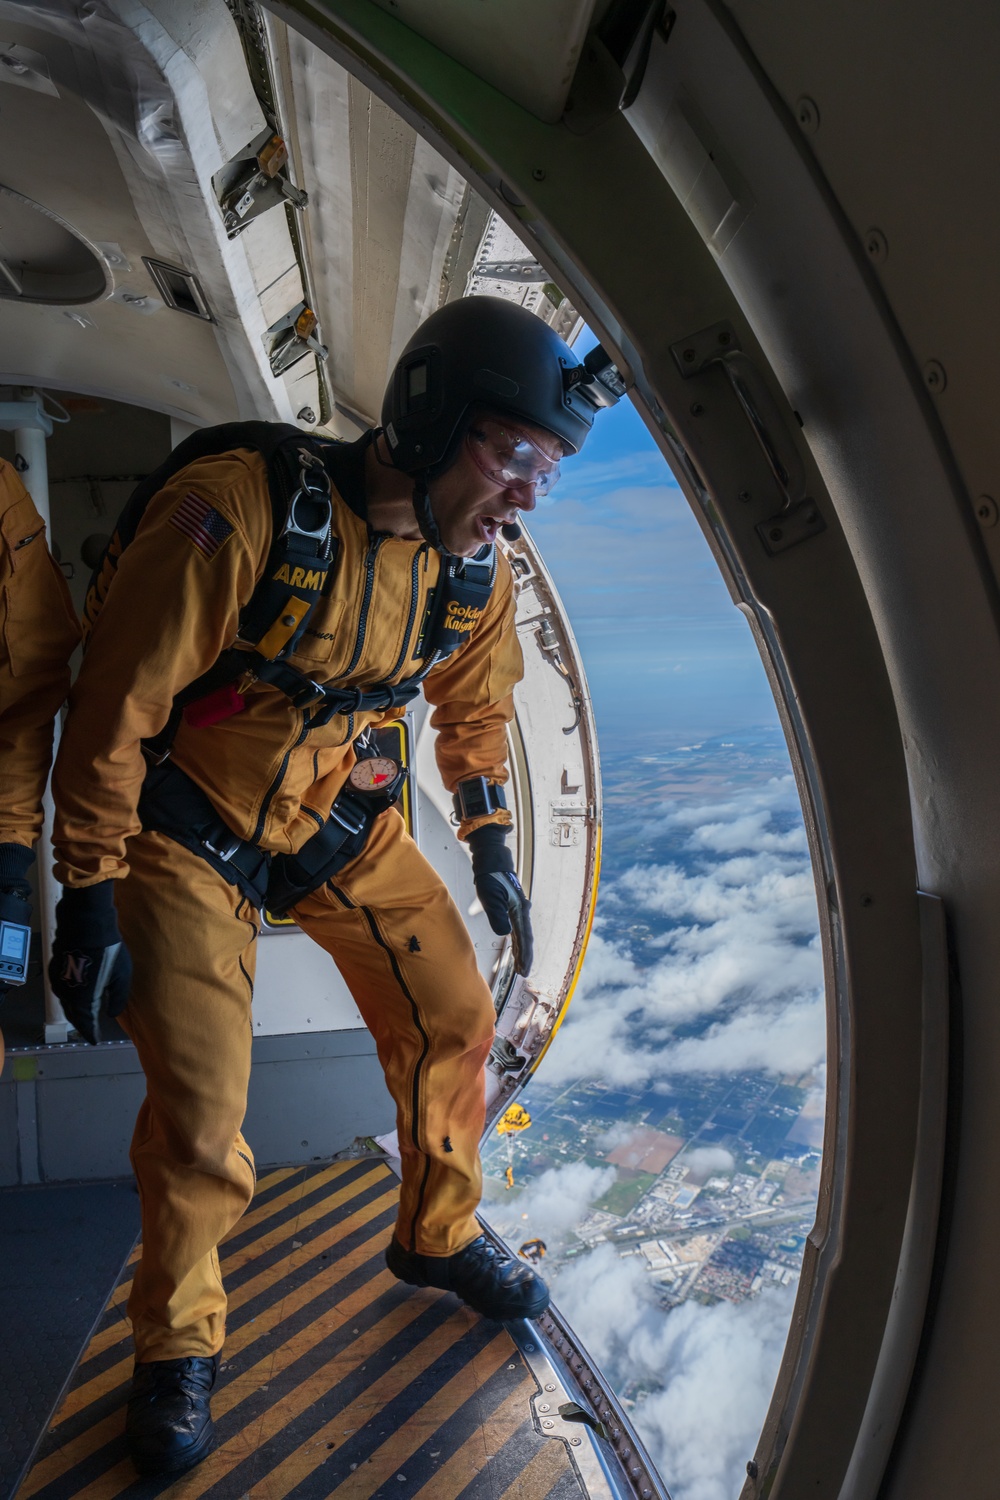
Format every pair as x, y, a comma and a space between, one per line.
170, 1377
485, 1263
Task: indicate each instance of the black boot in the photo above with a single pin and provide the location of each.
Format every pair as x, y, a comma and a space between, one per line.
488, 1280
169, 1425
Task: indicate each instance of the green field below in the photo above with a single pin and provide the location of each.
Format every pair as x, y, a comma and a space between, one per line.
624, 1194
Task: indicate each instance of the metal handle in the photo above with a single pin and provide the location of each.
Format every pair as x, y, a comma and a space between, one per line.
765, 418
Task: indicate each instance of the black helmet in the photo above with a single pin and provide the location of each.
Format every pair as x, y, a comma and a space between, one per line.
485, 351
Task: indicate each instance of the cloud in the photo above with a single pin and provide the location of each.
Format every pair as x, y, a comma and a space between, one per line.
716, 1367
703, 1161
735, 978
616, 1135
552, 1204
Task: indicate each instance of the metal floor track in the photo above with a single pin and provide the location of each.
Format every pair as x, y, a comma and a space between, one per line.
336, 1378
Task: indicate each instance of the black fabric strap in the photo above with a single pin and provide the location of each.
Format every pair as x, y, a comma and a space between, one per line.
173, 804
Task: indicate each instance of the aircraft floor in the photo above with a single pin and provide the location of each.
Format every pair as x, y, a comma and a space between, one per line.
336, 1378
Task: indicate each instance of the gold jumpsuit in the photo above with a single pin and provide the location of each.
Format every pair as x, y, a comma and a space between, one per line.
158, 618
38, 631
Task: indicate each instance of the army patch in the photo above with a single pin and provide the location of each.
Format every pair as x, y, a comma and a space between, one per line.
198, 520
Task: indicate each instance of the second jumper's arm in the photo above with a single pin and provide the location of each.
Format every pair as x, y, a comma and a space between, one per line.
38, 631
171, 606
472, 694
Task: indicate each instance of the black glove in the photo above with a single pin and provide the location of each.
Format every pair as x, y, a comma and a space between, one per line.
500, 893
89, 960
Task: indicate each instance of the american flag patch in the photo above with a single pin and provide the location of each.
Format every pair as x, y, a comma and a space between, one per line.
202, 524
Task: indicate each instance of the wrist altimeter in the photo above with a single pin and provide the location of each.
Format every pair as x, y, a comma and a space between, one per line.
15, 939
477, 798
377, 776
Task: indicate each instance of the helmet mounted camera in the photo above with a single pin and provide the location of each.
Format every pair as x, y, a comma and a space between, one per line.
486, 352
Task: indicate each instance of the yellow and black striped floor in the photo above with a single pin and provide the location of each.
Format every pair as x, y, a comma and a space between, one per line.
336, 1378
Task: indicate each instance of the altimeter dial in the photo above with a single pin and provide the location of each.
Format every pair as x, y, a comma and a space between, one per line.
374, 776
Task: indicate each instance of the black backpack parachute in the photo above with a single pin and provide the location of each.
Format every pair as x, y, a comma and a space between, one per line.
299, 571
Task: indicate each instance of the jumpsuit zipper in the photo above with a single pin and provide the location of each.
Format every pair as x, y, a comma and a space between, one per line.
414, 594
366, 599
275, 784
369, 917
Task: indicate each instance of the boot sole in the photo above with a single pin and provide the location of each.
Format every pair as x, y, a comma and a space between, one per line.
150, 1468
510, 1315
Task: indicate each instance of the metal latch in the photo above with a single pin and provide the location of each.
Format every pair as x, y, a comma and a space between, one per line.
800, 517
292, 337
255, 180
571, 1411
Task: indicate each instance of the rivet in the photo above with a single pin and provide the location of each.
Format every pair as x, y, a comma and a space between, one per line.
288, 620
724, 337
575, 1442
876, 245
538, 173
807, 114
986, 510
752, 1470
529, 1348
548, 1423
697, 409
744, 495
550, 1387
867, 900
544, 1406
775, 533
935, 377
688, 355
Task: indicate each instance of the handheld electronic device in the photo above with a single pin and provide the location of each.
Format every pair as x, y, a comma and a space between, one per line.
15, 945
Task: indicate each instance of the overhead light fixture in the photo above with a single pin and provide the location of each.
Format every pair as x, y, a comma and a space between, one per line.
255, 180
292, 338
179, 289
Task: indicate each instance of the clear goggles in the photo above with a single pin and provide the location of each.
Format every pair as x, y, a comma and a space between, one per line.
509, 457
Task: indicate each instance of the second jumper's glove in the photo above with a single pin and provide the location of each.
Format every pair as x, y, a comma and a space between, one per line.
89, 963
500, 892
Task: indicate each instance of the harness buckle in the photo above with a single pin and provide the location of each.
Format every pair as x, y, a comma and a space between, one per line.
350, 818
309, 694
228, 849
314, 492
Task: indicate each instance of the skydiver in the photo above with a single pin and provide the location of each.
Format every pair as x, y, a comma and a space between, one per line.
247, 656
38, 631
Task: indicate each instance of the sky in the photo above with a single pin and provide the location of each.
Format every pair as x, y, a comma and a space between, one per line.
663, 644
729, 981
733, 980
